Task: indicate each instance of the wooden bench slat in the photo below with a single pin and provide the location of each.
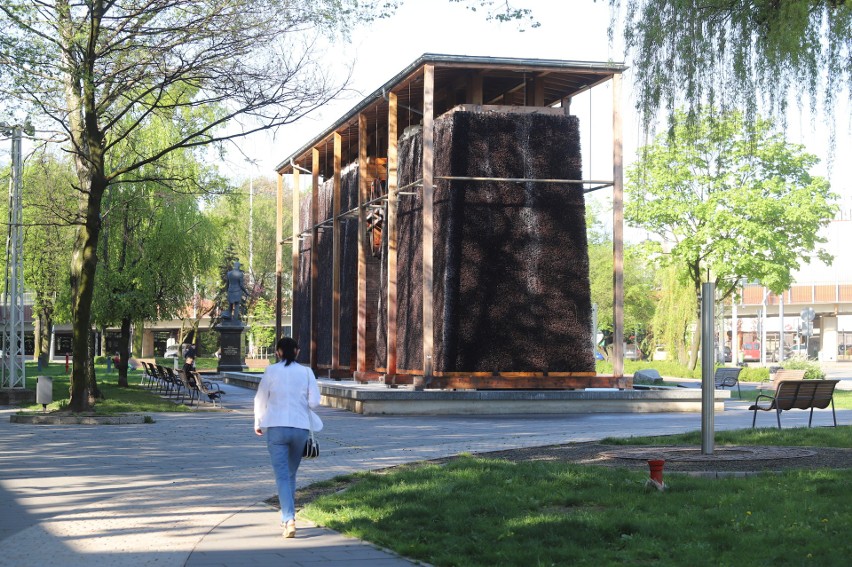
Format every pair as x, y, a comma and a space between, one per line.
798, 394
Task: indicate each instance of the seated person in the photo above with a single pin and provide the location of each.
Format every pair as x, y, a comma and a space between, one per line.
189, 359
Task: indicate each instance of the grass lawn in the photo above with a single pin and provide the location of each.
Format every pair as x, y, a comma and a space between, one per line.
479, 511
133, 399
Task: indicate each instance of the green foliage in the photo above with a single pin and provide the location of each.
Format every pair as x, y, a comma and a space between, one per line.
811, 368
263, 313
674, 314
253, 218
638, 286
746, 54
754, 374
733, 199
479, 511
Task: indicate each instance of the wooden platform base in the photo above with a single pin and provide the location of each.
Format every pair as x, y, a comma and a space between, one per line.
499, 380
384, 399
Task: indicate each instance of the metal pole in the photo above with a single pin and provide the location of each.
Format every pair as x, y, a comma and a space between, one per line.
708, 295
13, 321
781, 329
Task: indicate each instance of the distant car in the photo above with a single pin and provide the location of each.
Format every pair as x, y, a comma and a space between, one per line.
751, 351
798, 350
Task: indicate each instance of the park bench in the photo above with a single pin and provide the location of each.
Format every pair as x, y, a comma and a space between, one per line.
189, 387
209, 389
797, 394
778, 376
726, 377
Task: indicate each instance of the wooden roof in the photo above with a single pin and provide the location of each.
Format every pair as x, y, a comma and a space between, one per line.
505, 81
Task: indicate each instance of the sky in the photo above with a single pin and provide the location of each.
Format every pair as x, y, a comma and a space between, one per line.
570, 29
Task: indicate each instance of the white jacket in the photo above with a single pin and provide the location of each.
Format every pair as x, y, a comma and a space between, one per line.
283, 397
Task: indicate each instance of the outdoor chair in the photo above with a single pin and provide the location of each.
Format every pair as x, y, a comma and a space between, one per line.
728, 378
209, 389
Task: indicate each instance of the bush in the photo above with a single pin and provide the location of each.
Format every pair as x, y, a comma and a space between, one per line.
754, 374
100, 360
812, 369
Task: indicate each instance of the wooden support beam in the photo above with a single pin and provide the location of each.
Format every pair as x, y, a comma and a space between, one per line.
363, 188
617, 230
428, 218
335, 256
314, 256
538, 91
393, 183
279, 253
294, 255
476, 88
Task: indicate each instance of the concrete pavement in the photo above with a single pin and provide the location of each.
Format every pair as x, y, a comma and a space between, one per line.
188, 489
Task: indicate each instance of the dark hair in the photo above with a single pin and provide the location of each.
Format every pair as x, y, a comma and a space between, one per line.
286, 349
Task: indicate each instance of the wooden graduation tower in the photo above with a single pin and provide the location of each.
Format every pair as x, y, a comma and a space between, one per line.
443, 240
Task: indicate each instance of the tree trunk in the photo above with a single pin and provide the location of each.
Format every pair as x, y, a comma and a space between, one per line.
124, 352
84, 388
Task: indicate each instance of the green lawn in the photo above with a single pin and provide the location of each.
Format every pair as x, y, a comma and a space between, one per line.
133, 399
478, 511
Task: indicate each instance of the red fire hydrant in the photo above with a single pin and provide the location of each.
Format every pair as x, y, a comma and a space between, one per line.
656, 466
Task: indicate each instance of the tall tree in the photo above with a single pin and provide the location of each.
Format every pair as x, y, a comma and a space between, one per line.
251, 213
736, 54
99, 69
729, 199
48, 231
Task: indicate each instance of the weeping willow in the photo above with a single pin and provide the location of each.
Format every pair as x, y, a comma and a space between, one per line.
748, 54
674, 317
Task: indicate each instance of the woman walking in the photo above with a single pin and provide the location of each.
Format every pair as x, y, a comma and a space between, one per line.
282, 412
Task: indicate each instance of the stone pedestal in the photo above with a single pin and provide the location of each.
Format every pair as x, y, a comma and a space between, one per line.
231, 342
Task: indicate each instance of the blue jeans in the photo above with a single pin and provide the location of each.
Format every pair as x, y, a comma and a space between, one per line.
286, 445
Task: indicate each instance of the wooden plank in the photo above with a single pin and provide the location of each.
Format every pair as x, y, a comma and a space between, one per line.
505, 109
617, 229
393, 183
279, 254
314, 256
476, 88
363, 188
428, 218
502, 383
335, 256
512, 375
294, 255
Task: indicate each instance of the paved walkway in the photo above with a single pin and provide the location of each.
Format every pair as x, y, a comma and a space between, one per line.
188, 489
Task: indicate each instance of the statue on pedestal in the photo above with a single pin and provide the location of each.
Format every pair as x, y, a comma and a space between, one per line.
236, 291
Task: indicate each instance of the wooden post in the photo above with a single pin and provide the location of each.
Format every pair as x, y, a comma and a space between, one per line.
428, 190
335, 259
617, 230
363, 186
314, 256
279, 253
476, 88
294, 330
393, 183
